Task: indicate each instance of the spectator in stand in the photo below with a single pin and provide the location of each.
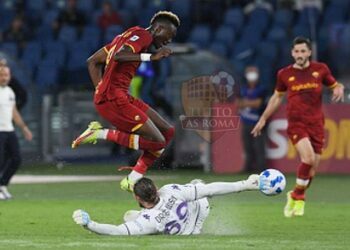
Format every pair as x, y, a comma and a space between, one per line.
108, 16
17, 33
70, 16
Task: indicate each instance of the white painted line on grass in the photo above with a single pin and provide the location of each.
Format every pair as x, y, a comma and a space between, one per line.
31, 179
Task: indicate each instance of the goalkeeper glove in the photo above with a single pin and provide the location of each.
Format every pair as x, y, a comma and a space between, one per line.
81, 217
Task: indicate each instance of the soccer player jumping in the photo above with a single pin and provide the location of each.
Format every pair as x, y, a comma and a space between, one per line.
303, 82
138, 125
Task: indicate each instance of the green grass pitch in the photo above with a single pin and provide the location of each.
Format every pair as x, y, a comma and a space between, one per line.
39, 217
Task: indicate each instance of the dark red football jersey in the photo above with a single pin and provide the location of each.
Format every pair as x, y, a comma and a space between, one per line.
117, 76
304, 90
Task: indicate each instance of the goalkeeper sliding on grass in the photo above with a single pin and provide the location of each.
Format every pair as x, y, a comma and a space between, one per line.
174, 209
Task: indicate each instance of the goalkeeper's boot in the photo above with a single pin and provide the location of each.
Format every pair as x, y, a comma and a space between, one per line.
127, 185
299, 208
289, 207
89, 135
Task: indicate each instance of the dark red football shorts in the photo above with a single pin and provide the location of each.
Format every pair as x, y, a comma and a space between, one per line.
314, 131
125, 112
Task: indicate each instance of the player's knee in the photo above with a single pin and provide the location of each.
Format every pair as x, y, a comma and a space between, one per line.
160, 139
309, 158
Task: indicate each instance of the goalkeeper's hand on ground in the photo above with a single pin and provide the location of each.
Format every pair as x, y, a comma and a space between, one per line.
81, 217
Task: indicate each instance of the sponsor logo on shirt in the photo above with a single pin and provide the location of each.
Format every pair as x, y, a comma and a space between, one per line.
304, 86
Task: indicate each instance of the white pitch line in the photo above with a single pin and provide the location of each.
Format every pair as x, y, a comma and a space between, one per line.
32, 179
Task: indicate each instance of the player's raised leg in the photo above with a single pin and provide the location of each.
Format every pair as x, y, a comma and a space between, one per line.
296, 198
148, 157
135, 129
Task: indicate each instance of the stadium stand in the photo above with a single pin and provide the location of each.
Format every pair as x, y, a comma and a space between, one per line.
257, 36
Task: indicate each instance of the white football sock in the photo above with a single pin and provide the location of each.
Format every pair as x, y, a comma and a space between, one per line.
102, 134
135, 176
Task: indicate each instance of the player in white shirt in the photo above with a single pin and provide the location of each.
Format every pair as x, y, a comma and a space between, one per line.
10, 157
174, 209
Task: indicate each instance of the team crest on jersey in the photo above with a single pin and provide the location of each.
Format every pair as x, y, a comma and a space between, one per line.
291, 79
137, 118
315, 74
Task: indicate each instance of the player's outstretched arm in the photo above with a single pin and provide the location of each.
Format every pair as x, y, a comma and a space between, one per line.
254, 182
82, 218
129, 228
95, 64
126, 54
274, 102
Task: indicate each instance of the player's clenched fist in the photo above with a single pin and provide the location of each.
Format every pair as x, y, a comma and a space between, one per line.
162, 53
81, 217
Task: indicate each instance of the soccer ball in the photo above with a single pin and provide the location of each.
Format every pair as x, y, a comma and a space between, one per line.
272, 182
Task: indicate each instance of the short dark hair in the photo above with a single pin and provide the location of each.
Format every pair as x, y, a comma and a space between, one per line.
300, 40
166, 16
146, 190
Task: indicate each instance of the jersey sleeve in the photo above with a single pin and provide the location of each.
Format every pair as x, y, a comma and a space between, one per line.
328, 79
139, 40
107, 47
142, 225
281, 87
186, 192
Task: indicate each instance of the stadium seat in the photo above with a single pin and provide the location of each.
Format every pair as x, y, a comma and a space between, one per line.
54, 52
283, 18
267, 51
219, 49
87, 6
301, 30
344, 40
32, 54
200, 35
226, 35
259, 18
243, 52
277, 34
334, 14
47, 76
132, 5
78, 53
182, 8
68, 34
285, 57
10, 49
44, 33
251, 35
36, 5
238, 66
308, 16
157, 5
234, 18
6, 17
49, 16
111, 32
92, 36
